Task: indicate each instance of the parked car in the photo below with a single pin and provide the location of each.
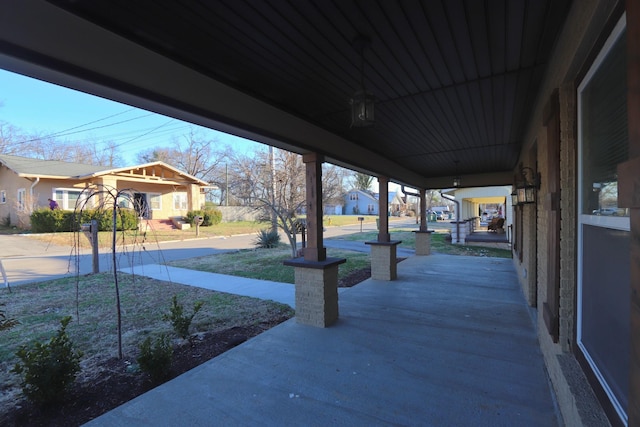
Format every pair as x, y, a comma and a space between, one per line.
606, 211
439, 215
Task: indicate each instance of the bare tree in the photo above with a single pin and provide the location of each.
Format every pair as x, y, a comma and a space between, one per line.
107, 198
362, 181
47, 147
194, 154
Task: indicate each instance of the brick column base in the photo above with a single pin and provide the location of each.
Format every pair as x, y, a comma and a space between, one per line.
423, 242
384, 263
316, 290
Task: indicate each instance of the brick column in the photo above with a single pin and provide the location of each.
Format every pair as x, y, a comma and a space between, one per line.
316, 276
629, 196
384, 262
423, 242
316, 290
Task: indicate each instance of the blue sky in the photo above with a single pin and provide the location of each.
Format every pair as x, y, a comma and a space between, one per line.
37, 107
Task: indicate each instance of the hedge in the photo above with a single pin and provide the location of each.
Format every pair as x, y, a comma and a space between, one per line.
212, 216
50, 221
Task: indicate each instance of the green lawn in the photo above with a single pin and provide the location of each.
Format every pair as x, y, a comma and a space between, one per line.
266, 264
40, 306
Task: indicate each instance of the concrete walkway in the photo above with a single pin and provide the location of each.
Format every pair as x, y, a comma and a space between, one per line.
450, 343
263, 289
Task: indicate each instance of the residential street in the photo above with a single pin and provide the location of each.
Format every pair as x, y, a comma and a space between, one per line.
28, 260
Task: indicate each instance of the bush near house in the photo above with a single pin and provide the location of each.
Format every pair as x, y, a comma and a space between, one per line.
212, 216
51, 221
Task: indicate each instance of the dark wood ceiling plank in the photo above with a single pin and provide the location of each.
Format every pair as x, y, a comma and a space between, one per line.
458, 22
497, 35
515, 13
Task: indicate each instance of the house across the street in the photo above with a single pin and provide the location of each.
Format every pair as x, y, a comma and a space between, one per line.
156, 190
360, 202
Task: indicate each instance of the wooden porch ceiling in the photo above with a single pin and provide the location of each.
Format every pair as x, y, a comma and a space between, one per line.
456, 80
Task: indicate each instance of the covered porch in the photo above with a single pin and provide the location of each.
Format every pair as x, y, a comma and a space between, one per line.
441, 345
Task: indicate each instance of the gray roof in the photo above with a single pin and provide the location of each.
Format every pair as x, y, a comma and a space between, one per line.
25, 166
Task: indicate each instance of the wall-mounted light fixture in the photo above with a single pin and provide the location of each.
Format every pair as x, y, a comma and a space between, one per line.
363, 101
514, 197
526, 188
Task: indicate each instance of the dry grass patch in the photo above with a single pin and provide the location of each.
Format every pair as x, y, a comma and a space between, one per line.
40, 306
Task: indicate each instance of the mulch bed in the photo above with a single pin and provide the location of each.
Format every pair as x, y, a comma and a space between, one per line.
117, 384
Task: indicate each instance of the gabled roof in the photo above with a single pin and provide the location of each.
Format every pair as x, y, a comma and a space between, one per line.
365, 193
36, 168
31, 168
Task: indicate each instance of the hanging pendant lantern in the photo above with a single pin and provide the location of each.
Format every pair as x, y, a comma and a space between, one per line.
363, 101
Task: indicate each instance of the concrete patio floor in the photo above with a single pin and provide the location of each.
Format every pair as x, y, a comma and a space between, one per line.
450, 343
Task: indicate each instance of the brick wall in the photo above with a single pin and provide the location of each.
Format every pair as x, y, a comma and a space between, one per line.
585, 24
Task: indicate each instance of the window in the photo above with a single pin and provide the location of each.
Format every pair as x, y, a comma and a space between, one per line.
353, 196
155, 201
22, 199
67, 198
3, 196
180, 201
603, 114
604, 277
124, 201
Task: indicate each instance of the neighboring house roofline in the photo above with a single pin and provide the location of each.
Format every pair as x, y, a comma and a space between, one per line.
365, 193
147, 165
26, 167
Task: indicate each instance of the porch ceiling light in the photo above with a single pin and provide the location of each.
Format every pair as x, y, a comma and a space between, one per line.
527, 187
363, 101
456, 179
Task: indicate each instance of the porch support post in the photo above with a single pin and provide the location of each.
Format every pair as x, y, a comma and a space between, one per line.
383, 251
316, 276
315, 250
629, 196
383, 209
423, 235
193, 197
423, 210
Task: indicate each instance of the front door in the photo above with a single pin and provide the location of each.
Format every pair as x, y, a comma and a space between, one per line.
140, 205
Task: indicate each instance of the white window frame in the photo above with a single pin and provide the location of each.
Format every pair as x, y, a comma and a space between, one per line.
22, 199
605, 221
64, 203
180, 199
3, 197
150, 199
